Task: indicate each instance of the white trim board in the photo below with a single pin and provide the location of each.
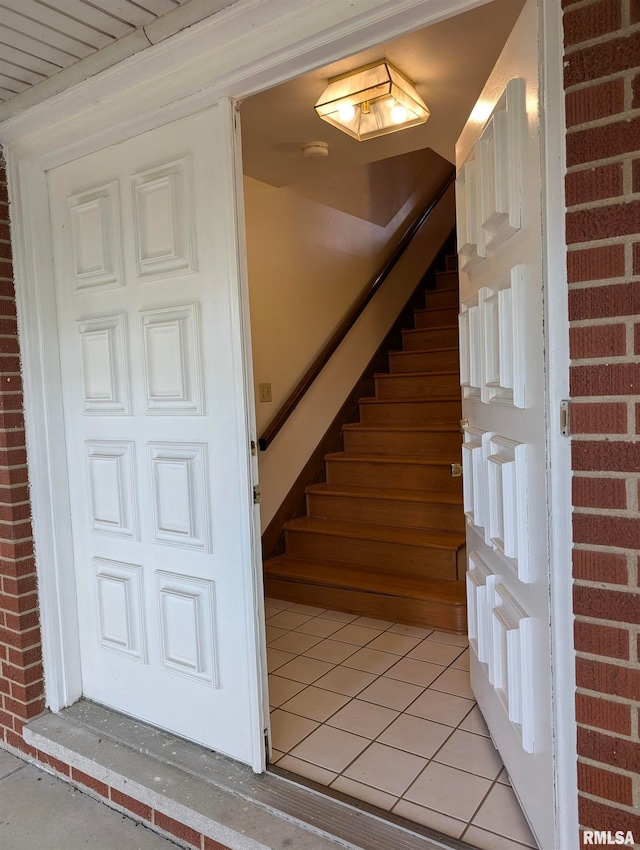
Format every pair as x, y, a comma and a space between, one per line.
177, 77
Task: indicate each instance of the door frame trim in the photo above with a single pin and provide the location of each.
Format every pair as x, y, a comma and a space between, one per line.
216, 60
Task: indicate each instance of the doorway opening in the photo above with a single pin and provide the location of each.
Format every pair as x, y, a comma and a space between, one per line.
369, 707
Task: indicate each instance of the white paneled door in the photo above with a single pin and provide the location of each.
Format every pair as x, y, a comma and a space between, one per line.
147, 292
504, 403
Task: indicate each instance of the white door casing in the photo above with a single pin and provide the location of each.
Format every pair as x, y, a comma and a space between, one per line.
500, 237
157, 444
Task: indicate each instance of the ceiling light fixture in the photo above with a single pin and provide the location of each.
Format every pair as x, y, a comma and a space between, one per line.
371, 101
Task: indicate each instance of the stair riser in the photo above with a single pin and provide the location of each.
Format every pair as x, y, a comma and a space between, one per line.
396, 513
434, 614
446, 413
377, 555
433, 479
401, 362
418, 386
435, 318
427, 339
446, 279
437, 299
405, 443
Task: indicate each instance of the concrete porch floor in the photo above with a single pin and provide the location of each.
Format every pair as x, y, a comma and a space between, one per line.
40, 812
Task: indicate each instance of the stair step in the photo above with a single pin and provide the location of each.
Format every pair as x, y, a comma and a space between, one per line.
389, 507
366, 470
432, 317
445, 411
424, 361
451, 263
440, 298
434, 604
403, 440
405, 551
447, 278
426, 339
418, 385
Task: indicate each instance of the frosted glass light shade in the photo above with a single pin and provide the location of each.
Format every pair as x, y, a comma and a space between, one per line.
371, 101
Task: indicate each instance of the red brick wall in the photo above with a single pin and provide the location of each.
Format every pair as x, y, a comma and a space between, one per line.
602, 84
21, 683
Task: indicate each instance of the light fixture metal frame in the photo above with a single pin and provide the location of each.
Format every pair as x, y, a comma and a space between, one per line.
373, 90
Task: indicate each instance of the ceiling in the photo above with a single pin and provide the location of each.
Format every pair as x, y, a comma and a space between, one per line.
449, 62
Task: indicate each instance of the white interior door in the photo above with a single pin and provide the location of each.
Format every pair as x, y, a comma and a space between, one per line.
148, 310
504, 451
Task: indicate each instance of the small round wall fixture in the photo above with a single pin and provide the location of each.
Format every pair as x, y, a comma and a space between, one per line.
315, 150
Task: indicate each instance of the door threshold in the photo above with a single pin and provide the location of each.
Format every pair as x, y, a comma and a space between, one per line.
215, 795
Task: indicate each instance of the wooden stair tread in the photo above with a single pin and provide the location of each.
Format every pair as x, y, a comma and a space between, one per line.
426, 330
396, 351
451, 540
427, 429
428, 309
359, 457
423, 374
354, 576
390, 493
434, 399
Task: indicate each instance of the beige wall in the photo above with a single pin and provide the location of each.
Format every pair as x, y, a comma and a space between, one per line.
308, 260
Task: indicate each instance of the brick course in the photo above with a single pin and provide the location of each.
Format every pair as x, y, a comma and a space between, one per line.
602, 85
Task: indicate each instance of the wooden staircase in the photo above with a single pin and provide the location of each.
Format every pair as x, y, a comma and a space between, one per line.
384, 535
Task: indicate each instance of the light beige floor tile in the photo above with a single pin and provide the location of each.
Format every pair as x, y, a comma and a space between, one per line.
280, 690
295, 642
415, 735
358, 635
273, 633
410, 631
277, 658
472, 753
363, 718
385, 768
414, 671
391, 642
462, 662
435, 653
504, 777
445, 637
371, 623
474, 722
288, 620
309, 771
315, 703
281, 604
276, 755
441, 707
320, 627
287, 730
447, 790
364, 792
454, 682
345, 681
370, 660
331, 650
330, 748
303, 669
427, 817
307, 609
501, 813
490, 841
391, 693
339, 616
270, 612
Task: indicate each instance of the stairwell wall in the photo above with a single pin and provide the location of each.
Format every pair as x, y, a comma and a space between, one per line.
602, 85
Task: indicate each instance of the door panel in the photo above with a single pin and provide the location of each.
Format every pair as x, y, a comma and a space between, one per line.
504, 452
145, 252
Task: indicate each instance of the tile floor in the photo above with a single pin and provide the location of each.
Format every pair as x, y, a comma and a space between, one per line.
385, 713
